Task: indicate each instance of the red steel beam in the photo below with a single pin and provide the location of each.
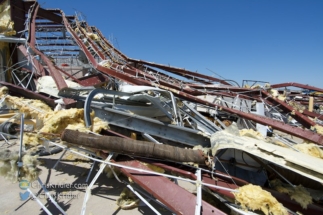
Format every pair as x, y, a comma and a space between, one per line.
109, 44
287, 108
70, 76
95, 79
42, 13
38, 66
60, 82
31, 33
173, 196
292, 84
19, 91
89, 40
180, 71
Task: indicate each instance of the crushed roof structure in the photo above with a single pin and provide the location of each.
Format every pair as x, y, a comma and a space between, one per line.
65, 79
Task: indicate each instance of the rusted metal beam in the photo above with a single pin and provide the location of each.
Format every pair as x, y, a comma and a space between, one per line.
306, 122
292, 84
19, 91
93, 45
70, 76
46, 14
173, 196
313, 114
180, 71
56, 44
31, 33
92, 80
60, 82
109, 44
38, 66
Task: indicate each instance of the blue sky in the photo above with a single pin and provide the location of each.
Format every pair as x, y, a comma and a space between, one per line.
276, 41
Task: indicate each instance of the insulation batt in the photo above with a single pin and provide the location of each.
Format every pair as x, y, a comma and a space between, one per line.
32, 108
9, 168
319, 129
310, 149
298, 193
56, 122
6, 25
254, 198
277, 95
127, 200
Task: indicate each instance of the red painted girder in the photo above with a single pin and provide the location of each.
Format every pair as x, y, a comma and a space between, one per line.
67, 74
42, 13
19, 91
40, 69
60, 82
220, 181
173, 196
109, 44
287, 108
92, 80
313, 114
223, 87
93, 45
292, 84
180, 71
295, 206
32, 20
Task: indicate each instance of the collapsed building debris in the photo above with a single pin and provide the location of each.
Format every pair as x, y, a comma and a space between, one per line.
261, 140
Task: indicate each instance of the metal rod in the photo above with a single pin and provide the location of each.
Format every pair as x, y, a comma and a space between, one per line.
22, 116
50, 197
88, 189
144, 200
88, 176
198, 192
39, 202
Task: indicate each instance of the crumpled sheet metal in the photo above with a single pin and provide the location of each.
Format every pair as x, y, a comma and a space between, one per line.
298, 162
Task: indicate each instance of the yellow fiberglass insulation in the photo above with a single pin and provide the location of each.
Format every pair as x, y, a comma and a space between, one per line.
9, 167
254, 198
297, 106
31, 139
109, 173
30, 107
277, 95
298, 193
319, 129
310, 149
99, 124
57, 121
251, 133
128, 200
6, 25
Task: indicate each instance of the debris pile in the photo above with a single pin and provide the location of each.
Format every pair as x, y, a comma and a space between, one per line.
241, 144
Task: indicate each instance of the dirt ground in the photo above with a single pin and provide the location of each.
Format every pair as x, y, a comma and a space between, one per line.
67, 185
